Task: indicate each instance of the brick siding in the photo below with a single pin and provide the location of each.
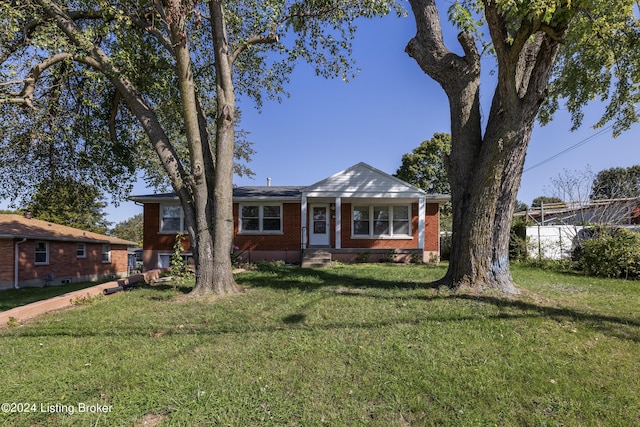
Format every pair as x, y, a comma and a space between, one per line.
63, 263
7, 264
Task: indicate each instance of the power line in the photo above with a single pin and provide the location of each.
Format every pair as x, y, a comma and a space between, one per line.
573, 147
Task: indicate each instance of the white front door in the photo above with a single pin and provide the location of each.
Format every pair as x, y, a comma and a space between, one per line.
319, 225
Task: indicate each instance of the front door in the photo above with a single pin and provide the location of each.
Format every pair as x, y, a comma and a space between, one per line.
319, 225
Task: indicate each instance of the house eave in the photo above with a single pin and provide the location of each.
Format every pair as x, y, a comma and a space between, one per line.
266, 199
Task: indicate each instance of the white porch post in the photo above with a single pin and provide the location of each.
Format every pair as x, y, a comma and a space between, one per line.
303, 220
338, 221
422, 211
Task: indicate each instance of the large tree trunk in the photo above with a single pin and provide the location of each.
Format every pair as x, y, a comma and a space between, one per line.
484, 170
210, 244
221, 195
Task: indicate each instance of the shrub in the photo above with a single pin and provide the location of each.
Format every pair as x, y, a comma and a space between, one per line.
389, 256
518, 240
613, 254
178, 266
270, 266
363, 257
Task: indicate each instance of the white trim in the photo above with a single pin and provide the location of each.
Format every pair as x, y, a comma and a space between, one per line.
422, 212
46, 251
186, 256
338, 222
390, 220
327, 221
108, 253
260, 218
84, 250
303, 214
161, 219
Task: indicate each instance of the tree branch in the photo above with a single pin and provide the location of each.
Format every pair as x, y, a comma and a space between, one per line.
272, 37
112, 116
430, 52
25, 96
99, 60
255, 39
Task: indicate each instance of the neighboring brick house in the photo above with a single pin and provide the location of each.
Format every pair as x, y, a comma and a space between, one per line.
360, 210
37, 253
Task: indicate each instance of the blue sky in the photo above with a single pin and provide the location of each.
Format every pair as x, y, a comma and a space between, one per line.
386, 111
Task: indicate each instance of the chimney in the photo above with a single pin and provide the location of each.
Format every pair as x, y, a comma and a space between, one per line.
268, 182
27, 214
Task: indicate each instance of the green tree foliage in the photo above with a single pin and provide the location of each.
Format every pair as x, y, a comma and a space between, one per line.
545, 200
68, 202
167, 74
520, 206
616, 183
424, 166
545, 52
131, 229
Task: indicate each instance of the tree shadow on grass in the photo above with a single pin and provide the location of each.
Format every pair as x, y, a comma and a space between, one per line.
308, 279
351, 285
331, 284
167, 286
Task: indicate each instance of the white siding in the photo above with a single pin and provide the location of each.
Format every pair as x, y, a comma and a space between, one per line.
362, 180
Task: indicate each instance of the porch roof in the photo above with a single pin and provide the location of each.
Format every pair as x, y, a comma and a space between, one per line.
365, 181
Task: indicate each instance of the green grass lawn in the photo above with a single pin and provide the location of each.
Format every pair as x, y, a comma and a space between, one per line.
348, 345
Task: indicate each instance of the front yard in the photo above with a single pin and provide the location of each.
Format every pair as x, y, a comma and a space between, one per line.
347, 345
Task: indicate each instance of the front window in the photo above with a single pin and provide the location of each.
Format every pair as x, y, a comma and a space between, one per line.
172, 219
106, 253
361, 220
260, 218
42, 253
381, 221
401, 220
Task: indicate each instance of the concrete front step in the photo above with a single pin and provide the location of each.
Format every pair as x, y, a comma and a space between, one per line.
316, 258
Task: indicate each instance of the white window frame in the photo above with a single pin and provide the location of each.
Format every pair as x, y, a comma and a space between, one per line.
390, 220
84, 250
181, 218
36, 252
186, 256
261, 218
106, 252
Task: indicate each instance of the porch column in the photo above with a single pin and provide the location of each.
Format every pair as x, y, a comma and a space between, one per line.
303, 221
338, 221
422, 211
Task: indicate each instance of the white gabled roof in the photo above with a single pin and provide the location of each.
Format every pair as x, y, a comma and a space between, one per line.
363, 180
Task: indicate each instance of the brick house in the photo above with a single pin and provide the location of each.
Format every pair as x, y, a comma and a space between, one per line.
36, 253
358, 211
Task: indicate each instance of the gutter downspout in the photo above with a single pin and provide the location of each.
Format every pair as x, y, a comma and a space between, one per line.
16, 262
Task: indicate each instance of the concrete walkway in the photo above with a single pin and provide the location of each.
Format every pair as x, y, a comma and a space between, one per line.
37, 308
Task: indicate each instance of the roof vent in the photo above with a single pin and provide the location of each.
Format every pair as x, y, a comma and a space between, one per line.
268, 182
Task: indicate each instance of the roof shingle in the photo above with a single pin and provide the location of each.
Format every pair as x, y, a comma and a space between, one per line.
17, 226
